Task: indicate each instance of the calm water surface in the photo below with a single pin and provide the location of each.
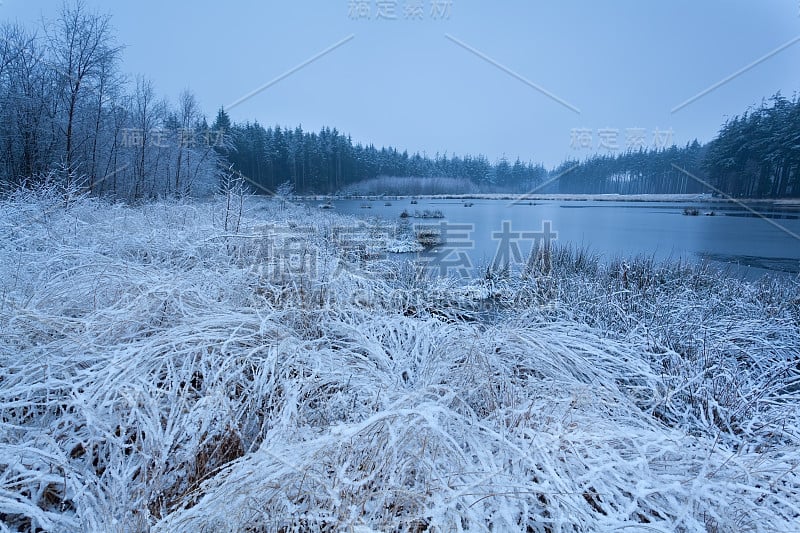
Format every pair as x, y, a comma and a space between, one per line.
734, 237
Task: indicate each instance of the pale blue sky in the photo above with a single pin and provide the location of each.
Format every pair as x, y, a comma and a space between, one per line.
624, 64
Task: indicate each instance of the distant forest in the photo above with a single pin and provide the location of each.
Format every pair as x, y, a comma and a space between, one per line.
330, 162
756, 155
68, 114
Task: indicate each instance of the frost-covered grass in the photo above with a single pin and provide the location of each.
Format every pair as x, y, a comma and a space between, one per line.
157, 373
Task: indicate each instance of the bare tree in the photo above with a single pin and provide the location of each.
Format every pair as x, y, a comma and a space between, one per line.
106, 96
119, 116
188, 111
148, 115
13, 39
81, 44
28, 109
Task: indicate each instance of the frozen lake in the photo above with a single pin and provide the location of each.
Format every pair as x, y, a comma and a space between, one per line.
734, 237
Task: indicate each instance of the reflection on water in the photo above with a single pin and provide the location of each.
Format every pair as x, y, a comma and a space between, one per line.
613, 229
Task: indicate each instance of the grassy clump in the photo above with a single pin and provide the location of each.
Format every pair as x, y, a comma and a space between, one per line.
159, 371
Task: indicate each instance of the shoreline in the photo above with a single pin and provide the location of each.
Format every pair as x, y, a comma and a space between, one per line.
655, 198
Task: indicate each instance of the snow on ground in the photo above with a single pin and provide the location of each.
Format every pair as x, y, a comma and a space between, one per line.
161, 370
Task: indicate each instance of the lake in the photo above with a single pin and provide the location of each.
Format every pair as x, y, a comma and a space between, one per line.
746, 243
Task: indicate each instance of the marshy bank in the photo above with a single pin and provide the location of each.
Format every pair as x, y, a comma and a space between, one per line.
161, 370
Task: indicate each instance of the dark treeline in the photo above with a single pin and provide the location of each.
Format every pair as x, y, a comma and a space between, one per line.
757, 155
329, 161
665, 171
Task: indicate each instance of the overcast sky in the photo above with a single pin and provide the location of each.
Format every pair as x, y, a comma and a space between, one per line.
538, 80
